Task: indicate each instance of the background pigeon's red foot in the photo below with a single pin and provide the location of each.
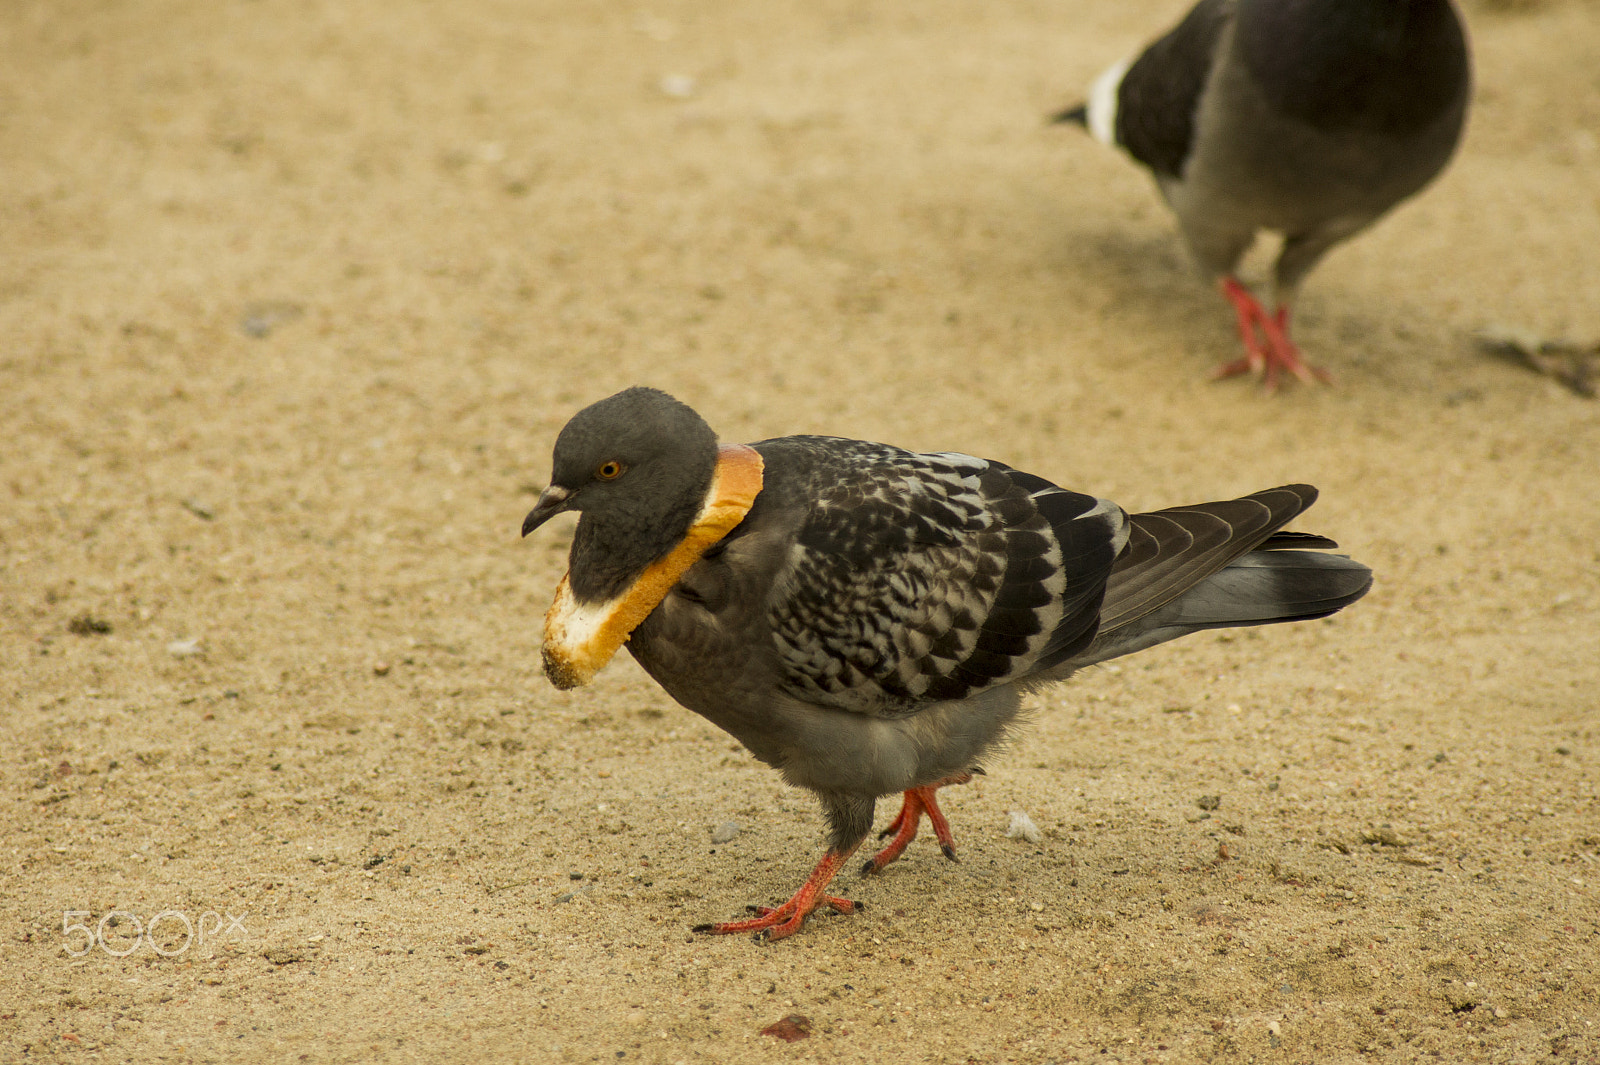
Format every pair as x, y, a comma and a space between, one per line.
918, 801
779, 922
1267, 347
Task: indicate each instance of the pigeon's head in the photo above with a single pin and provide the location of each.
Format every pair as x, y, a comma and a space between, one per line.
637, 467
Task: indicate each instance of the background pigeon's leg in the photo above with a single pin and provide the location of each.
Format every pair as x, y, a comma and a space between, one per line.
918, 801
785, 920
1268, 349
1248, 312
1276, 330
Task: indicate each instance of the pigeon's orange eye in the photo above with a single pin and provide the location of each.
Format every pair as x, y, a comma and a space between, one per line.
609, 470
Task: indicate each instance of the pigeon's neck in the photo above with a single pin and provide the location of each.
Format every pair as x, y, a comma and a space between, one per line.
581, 637
1381, 66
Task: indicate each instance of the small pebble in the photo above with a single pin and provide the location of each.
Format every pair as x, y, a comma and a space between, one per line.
1385, 836
260, 319
186, 648
724, 832
1022, 827
791, 1029
88, 625
678, 86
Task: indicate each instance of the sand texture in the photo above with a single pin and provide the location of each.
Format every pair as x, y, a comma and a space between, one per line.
294, 297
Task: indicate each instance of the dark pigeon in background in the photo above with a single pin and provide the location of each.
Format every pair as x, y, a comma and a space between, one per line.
866, 619
1310, 118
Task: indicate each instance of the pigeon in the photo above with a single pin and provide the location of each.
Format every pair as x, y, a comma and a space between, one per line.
1310, 118
866, 619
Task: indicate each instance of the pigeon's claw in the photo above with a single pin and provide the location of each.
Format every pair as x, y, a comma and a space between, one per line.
780, 922
918, 801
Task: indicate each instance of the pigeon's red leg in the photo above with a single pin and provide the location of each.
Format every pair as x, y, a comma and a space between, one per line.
1282, 350
941, 827
1247, 310
918, 801
1268, 349
910, 813
777, 922
903, 827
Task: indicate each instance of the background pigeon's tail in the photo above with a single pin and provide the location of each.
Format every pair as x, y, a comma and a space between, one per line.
1220, 565
1078, 114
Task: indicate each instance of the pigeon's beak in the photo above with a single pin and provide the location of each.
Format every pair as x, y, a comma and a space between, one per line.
552, 501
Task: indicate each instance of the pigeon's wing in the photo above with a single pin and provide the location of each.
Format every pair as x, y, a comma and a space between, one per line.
1159, 96
919, 577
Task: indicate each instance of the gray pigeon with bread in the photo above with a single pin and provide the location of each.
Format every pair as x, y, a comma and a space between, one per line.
866, 619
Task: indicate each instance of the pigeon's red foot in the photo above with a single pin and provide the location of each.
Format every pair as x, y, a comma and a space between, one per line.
918, 801
779, 922
1268, 351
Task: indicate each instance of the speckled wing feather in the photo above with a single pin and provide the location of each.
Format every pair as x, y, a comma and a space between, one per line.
917, 577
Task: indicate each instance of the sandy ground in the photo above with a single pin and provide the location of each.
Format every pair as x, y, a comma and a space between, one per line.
293, 299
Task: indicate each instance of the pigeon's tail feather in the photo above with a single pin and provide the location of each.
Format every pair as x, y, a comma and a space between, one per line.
1078, 114
1303, 541
1268, 586
1170, 551
1263, 587
1218, 565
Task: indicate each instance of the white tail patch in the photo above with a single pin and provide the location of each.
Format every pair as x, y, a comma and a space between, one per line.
1103, 103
